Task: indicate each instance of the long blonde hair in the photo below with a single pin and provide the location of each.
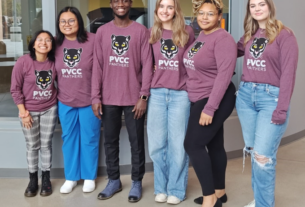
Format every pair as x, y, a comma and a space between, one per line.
198, 3
273, 26
180, 35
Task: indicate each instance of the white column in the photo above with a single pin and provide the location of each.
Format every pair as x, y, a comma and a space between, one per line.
49, 15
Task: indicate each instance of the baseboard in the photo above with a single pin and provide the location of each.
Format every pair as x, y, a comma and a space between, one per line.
126, 169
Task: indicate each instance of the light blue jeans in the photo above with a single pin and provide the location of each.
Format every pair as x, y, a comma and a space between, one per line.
255, 104
167, 119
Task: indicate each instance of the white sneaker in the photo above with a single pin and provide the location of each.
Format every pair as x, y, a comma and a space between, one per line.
173, 200
89, 186
161, 198
251, 204
68, 186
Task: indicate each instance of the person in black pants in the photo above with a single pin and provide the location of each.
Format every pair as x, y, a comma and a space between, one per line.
210, 62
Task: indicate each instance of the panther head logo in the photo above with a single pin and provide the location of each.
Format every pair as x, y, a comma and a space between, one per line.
72, 57
43, 79
193, 51
168, 48
258, 47
120, 44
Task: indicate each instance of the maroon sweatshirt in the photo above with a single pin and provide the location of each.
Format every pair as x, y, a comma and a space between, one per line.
210, 62
170, 70
122, 65
74, 63
273, 64
33, 84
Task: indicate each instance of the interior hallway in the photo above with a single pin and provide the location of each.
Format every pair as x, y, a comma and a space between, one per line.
289, 186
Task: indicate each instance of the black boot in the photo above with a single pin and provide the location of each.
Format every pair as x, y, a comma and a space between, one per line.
32, 188
46, 187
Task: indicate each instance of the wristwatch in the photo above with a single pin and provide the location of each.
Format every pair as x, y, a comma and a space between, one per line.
144, 97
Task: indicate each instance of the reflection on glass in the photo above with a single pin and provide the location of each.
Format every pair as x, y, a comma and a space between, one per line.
20, 20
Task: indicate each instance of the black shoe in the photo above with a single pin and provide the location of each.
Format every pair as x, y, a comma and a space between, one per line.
46, 186
32, 188
223, 199
218, 203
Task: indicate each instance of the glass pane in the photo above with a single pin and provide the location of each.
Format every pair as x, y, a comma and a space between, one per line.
188, 13
20, 20
96, 13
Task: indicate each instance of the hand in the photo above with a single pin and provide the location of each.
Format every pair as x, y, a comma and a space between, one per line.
139, 109
155, 68
97, 110
27, 122
205, 119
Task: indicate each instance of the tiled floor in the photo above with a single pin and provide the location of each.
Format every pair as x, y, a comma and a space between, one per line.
289, 187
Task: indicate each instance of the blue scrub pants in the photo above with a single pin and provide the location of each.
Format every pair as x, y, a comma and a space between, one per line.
81, 136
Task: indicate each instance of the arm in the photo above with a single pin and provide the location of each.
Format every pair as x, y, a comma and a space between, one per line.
97, 76
289, 61
226, 61
147, 73
17, 94
240, 47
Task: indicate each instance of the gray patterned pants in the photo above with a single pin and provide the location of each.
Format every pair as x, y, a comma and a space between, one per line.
39, 137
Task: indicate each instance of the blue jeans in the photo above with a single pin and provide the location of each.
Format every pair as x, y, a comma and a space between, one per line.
255, 104
81, 137
167, 119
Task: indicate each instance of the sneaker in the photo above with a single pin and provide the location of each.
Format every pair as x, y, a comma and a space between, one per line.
251, 204
113, 187
173, 200
46, 186
135, 193
89, 186
68, 186
161, 198
32, 188
199, 200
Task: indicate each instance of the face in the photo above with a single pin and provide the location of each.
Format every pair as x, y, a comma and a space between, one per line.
43, 44
68, 24
166, 11
121, 7
208, 17
259, 10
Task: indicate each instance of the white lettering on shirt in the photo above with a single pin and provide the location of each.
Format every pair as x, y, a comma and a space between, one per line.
72, 73
258, 65
189, 63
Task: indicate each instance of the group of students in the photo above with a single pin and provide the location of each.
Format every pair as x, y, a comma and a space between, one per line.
184, 84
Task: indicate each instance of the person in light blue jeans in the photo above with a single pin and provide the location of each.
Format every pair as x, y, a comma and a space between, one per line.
270, 51
168, 104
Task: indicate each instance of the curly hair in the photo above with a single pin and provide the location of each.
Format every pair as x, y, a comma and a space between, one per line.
198, 3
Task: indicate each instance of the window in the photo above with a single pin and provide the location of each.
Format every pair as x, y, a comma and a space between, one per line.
20, 20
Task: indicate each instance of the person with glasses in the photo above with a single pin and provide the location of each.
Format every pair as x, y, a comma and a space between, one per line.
270, 53
210, 63
80, 128
121, 79
169, 105
34, 93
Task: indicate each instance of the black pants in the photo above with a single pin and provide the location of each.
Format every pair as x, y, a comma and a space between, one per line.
112, 123
205, 144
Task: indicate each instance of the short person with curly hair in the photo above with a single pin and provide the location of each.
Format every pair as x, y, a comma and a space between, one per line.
210, 63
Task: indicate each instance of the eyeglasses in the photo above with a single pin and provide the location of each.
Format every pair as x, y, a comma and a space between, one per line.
70, 22
209, 14
43, 40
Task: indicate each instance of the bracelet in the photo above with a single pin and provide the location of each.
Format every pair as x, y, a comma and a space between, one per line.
26, 114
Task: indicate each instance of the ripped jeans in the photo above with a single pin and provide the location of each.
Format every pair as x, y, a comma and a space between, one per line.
255, 104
